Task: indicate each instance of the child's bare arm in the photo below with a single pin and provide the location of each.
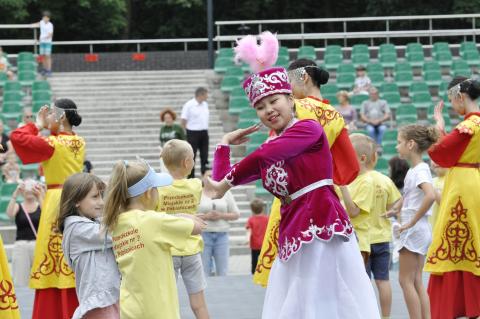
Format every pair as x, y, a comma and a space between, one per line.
351, 207
427, 202
198, 224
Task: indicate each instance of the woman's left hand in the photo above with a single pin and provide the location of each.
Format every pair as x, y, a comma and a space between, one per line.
215, 190
239, 136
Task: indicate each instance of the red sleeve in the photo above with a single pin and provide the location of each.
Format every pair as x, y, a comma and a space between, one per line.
450, 148
345, 163
248, 225
30, 147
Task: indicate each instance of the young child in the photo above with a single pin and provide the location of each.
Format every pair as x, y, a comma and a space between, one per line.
362, 81
256, 227
386, 195
438, 183
143, 239
87, 251
415, 232
183, 196
359, 196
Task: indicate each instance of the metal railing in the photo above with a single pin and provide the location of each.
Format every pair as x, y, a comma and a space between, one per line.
387, 33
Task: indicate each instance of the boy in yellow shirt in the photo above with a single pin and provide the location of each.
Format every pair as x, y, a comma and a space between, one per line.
183, 196
386, 195
359, 196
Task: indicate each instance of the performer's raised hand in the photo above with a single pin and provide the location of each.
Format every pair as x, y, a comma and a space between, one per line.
240, 136
41, 121
215, 190
438, 116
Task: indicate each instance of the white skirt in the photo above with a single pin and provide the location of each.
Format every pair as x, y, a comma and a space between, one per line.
417, 238
323, 280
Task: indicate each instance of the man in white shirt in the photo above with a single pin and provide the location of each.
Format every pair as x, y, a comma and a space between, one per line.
195, 116
46, 37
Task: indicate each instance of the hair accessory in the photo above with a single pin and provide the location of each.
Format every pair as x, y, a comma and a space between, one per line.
150, 180
259, 57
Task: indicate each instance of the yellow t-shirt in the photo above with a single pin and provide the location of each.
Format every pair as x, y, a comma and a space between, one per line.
386, 193
142, 241
438, 183
183, 196
362, 191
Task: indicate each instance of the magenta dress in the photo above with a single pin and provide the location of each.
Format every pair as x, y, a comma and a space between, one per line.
316, 243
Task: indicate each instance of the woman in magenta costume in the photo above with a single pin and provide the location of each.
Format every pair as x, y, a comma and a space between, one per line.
319, 273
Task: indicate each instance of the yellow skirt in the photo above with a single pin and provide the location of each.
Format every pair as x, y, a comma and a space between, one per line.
456, 236
49, 268
8, 299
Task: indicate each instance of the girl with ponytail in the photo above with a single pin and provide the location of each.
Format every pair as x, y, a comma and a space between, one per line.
142, 240
61, 154
454, 255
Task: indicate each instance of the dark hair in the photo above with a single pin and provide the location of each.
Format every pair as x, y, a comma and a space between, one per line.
257, 206
74, 190
318, 75
467, 86
46, 13
200, 91
424, 136
70, 111
398, 170
168, 111
361, 68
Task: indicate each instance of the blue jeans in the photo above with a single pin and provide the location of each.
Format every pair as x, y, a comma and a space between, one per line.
376, 132
216, 249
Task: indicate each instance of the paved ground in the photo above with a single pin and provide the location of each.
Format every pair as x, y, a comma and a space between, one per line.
232, 297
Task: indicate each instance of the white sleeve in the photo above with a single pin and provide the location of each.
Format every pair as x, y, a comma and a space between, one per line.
423, 175
184, 115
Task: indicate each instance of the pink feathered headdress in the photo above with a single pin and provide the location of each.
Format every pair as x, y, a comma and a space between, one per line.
265, 80
259, 57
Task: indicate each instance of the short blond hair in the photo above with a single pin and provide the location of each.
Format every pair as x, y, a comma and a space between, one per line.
344, 94
175, 152
363, 145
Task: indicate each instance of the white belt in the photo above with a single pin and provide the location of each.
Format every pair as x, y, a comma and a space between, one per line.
324, 182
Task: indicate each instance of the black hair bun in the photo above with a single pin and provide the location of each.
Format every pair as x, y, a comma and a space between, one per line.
473, 89
321, 76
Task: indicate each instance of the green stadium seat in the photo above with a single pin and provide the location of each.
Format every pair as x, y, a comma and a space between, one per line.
41, 96
414, 47
27, 66
433, 78
283, 52
332, 98
333, 50
377, 78
283, 61
344, 68
403, 67
357, 100
393, 99
416, 59
360, 59
389, 87
329, 88
374, 67
468, 46
25, 57
431, 66
422, 100
29, 171
360, 49
37, 105
388, 60
472, 58
258, 138
238, 104
7, 189
345, 81
259, 190
417, 87
440, 47
229, 83
248, 114
406, 120
41, 86
444, 58
12, 96
390, 137
237, 92
443, 87
222, 64
27, 78
247, 123
446, 118
3, 79
387, 48
307, 52
382, 166
235, 71
12, 110
466, 72
3, 210
389, 151
461, 66
364, 132
226, 53
403, 79
332, 62
12, 86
